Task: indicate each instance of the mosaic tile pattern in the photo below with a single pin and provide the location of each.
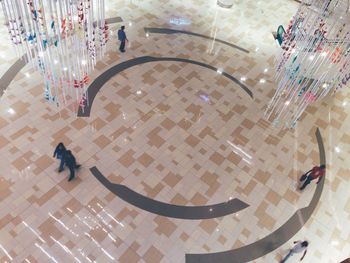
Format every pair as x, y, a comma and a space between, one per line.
276, 238
186, 139
170, 210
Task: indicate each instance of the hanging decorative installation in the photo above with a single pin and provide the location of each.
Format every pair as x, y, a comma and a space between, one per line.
314, 61
60, 38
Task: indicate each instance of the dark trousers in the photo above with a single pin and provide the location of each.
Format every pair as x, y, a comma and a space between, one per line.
306, 182
287, 256
61, 164
122, 45
72, 172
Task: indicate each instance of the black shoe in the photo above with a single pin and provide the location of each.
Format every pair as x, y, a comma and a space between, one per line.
122, 51
60, 170
77, 166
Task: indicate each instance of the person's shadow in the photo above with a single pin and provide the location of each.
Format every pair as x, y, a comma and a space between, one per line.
282, 254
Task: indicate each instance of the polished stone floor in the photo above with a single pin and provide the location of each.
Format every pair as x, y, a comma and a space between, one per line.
170, 135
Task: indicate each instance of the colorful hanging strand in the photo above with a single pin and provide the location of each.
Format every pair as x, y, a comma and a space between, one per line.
63, 49
314, 59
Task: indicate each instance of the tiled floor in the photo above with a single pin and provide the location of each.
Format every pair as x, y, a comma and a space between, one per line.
174, 132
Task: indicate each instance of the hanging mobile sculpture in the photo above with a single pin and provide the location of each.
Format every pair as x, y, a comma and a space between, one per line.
60, 38
314, 61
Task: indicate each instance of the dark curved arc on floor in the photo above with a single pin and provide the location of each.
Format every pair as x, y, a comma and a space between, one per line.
273, 240
11, 73
169, 210
97, 84
20, 63
170, 31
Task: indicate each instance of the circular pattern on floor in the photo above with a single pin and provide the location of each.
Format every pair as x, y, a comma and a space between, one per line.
312, 204
275, 239
102, 79
242, 254
169, 210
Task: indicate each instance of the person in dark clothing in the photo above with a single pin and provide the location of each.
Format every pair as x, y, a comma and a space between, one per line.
72, 164
328, 3
299, 247
122, 38
59, 153
314, 173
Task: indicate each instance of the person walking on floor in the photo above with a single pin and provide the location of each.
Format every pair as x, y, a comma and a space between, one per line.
314, 173
72, 164
300, 246
122, 38
59, 153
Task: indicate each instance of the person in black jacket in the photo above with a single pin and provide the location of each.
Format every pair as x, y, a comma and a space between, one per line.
71, 163
59, 153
